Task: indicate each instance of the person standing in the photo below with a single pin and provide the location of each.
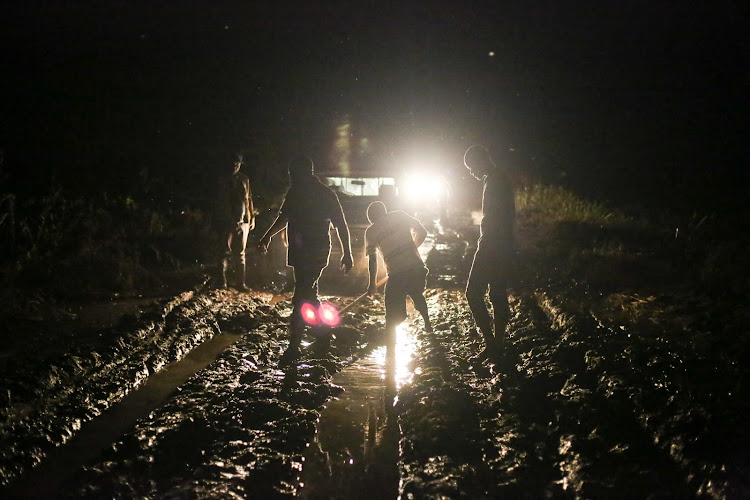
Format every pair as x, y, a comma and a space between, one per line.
239, 219
307, 212
397, 236
495, 254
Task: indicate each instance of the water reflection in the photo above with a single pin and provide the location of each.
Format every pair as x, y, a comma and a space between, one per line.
405, 347
355, 451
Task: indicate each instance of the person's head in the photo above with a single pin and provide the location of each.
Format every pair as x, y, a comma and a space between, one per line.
301, 168
477, 160
376, 211
238, 161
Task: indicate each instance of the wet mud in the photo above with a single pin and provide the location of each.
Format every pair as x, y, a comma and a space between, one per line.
580, 406
588, 401
240, 427
51, 393
94, 437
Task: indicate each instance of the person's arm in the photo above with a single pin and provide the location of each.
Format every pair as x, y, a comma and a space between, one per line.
278, 225
372, 267
342, 230
420, 233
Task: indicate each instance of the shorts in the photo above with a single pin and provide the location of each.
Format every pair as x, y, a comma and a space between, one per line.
492, 268
400, 285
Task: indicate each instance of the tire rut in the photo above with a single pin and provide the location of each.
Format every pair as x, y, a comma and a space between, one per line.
71, 391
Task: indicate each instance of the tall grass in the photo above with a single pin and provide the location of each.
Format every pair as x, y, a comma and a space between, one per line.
598, 244
557, 204
571, 239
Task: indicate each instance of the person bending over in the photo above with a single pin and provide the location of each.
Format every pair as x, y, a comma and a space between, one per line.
396, 235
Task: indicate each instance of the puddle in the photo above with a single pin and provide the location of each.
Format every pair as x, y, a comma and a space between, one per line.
355, 450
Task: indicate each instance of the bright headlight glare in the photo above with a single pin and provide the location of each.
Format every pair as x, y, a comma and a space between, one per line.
424, 187
433, 187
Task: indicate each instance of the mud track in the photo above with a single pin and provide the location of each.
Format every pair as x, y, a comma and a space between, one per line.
583, 405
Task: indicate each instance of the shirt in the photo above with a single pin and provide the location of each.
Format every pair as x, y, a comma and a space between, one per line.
240, 196
310, 207
498, 214
392, 235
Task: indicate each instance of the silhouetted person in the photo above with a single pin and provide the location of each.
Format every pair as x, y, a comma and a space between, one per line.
391, 234
307, 212
239, 218
494, 258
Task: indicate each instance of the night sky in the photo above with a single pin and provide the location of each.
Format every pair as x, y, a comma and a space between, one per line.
637, 100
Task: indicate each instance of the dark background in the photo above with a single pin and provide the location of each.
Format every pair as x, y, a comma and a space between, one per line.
627, 102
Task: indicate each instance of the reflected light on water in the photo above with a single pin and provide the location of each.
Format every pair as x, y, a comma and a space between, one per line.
405, 348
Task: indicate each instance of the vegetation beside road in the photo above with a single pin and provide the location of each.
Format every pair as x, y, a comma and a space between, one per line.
60, 247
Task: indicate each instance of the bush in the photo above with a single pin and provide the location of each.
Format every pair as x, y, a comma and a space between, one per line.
67, 246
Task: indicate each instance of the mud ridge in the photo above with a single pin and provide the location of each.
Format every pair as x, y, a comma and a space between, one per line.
603, 450
651, 390
76, 388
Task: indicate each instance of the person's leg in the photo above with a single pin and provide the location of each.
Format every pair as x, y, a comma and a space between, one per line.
305, 291
476, 291
416, 292
501, 310
227, 259
499, 282
296, 322
420, 304
245, 233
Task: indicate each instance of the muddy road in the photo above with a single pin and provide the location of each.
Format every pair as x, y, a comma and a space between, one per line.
185, 399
